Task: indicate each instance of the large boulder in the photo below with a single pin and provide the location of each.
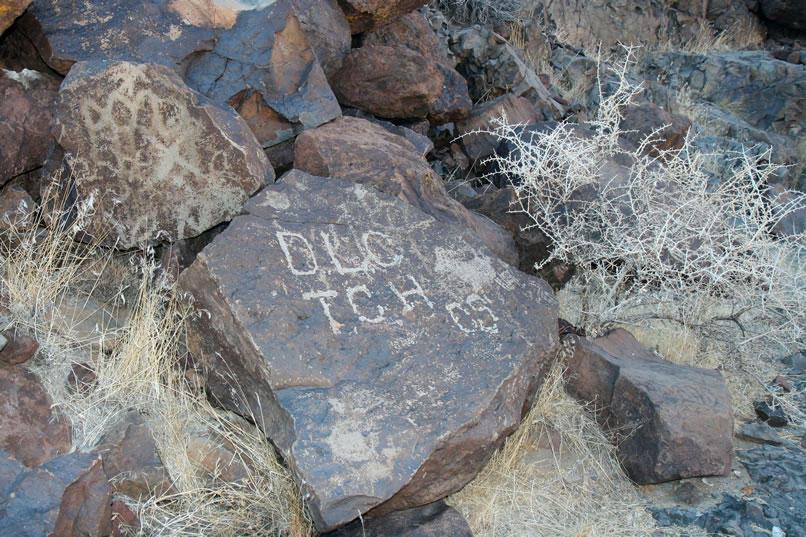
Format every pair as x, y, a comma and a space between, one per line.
226, 50
414, 32
162, 161
476, 130
785, 12
677, 420
386, 354
31, 432
26, 99
388, 81
357, 150
366, 15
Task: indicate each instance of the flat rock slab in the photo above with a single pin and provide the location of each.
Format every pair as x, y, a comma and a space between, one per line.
436, 519
225, 49
162, 161
385, 353
678, 420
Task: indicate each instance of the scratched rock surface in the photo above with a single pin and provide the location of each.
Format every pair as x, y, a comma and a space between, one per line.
228, 50
357, 150
679, 420
162, 161
385, 353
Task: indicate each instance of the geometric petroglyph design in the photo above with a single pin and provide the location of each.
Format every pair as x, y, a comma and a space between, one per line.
165, 161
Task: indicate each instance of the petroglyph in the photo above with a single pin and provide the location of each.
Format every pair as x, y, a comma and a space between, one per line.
162, 157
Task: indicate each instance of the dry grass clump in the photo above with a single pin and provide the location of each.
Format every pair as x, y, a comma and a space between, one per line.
556, 476
140, 366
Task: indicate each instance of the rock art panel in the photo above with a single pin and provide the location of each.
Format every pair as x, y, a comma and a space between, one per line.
225, 49
377, 347
161, 160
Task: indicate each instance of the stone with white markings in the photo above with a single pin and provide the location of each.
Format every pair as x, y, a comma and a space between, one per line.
161, 160
379, 348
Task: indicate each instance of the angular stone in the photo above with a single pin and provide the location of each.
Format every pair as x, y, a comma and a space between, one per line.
668, 131
17, 209
124, 521
377, 347
789, 13
31, 432
226, 50
31, 501
678, 420
390, 82
162, 161
86, 506
366, 15
327, 30
483, 116
10, 10
18, 349
357, 150
454, 102
774, 415
131, 460
760, 433
26, 99
436, 519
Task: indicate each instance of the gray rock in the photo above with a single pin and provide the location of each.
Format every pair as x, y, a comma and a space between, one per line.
377, 347
162, 161
436, 519
759, 433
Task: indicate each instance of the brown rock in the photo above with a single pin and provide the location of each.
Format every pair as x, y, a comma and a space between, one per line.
789, 208
224, 50
376, 346
782, 382
10, 10
786, 12
19, 348
216, 460
26, 98
678, 420
163, 161
366, 15
131, 460
667, 131
357, 150
327, 30
436, 519
454, 102
124, 521
803, 441
85, 509
82, 379
390, 82
31, 432
483, 116
16, 209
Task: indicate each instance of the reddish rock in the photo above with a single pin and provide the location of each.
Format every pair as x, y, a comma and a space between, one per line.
366, 15
124, 521
26, 99
10, 10
782, 382
85, 509
390, 82
357, 150
377, 346
16, 209
667, 131
789, 209
224, 50
82, 379
131, 460
483, 116
436, 519
327, 30
162, 161
678, 420
63, 497
454, 102
31, 432
19, 348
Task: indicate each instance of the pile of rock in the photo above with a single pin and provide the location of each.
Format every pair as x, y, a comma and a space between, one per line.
358, 313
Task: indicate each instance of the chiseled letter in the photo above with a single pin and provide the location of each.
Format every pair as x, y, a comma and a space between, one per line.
285, 238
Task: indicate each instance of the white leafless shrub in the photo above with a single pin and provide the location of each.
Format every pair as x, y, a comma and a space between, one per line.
487, 12
662, 240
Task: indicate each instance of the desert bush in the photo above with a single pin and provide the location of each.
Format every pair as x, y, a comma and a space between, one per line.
487, 12
664, 240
